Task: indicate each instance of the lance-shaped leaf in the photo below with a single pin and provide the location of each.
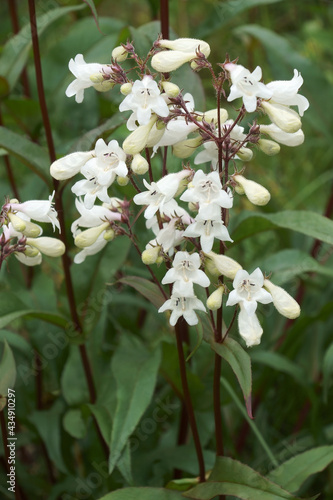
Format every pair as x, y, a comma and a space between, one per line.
7, 370
292, 473
146, 288
230, 477
143, 494
240, 363
135, 371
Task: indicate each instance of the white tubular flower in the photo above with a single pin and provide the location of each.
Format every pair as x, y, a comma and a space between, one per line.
144, 99
249, 327
284, 303
29, 261
291, 140
85, 74
256, 193
182, 306
39, 210
167, 238
247, 86
48, 246
206, 189
91, 250
285, 118
95, 216
207, 230
70, 165
286, 92
137, 140
248, 290
186, 45
182, 51
159, 193
185, 272
214, 301
268, 147
221, 265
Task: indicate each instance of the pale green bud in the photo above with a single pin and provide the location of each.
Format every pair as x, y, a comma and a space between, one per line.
186, 148
17, 223
119, 54
97, 78
285, 118
31, 252
32, 230
214, 301
89, 236
194, 65
245, 154
109, 234
126, 88
48, 246
137, 140
14, 200
221, 264
170, 89
193, 207
150, 255
256, 193
104, 86
122, 181
284, 303
139, 165
212, 115
268, 147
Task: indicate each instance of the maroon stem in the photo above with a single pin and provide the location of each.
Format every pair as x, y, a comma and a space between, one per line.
164, 8
181, 325
60, 210
16, 29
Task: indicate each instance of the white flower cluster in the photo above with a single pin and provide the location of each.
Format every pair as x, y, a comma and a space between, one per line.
161, 116
22, 237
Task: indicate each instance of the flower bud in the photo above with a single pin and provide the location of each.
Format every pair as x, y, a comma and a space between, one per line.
291, 140
194, 65
285, 118
104, 86
97, 78
29, 261
212, 115
109, 234
48, 246
13, 200
167, 61
268, 147
186, 45
186, 148
214, 301
245, 154
256, 193
122, 181
150, 255
31, 252
137, 140
126, 88
139, 165
32, 230
119, 54
17, 223
284, 303
89, 236
193, 207
221, 264
170, 89
69, 165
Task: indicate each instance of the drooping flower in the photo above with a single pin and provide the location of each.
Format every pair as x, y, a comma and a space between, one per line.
249, 327
70, 165
256, 193
291, 140
247, 85
248, 290
85, 74
185, 271
181, 305
181, 51
144, 99
286, 92
284, 303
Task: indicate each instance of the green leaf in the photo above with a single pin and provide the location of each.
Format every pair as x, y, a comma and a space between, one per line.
73, 382
142, 494
74, 423
135, 388
16, 341
16, 51
292, 473
7, 370
182, 484
290, 263
280, 363
87, 140
308, 223
146, 288
31, 154
230, 477
327, 371
124, 464
224, 12
251, 423
240, 363
48, 426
